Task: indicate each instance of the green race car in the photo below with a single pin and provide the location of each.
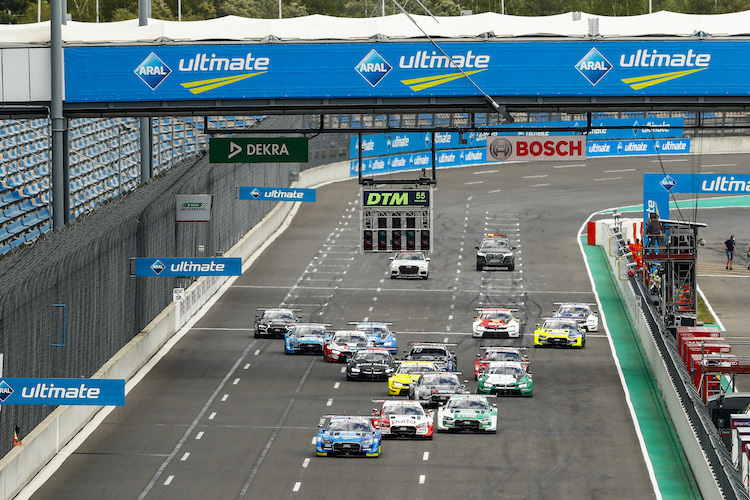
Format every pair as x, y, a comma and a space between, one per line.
505, 377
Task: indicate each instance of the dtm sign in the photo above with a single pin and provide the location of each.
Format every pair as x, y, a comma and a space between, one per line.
396, 198
257, 149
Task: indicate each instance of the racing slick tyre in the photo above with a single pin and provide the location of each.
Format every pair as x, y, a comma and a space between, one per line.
479, 267
511, 268
256, 334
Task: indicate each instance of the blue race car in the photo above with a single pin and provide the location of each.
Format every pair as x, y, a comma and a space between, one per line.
305, 338
348, 436
378, 333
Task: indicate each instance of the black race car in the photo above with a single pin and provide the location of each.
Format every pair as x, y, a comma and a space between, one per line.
274, 321
374, 363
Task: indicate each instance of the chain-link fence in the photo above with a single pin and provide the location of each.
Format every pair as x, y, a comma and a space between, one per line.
68, 303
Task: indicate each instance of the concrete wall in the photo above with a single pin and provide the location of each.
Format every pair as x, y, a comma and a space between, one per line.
40, 446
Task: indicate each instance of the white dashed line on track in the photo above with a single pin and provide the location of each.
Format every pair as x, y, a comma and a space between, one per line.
212, 415
494, 191
570, 166
486, 172
246, 366
535, 176
539, 185
236, 381
608, 179
296, 486
343, 369
185, 456
473, 182
329, 402
306, 463
256, 352
426, 455
619, 170
225, 397
313, 441
336, 385
422, 478
199, 435
168, 481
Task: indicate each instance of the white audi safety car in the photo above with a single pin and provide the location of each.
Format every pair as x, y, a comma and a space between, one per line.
410, 265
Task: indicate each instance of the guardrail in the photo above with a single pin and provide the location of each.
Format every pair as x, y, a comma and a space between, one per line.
709, 460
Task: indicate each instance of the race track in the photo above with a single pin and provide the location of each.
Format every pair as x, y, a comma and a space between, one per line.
225, 415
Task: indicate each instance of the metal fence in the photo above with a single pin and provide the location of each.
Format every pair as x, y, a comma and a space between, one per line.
68, 303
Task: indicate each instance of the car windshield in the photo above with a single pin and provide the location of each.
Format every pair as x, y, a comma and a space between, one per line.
427, 353
278, 315
574, 309
406, 368
560, 324
503, 316
408, 256
309, 331
379, 330
403, 410
505, 370
350, 338
502, 356
439, 379
372, 357
467, 404
496, 244
348, 426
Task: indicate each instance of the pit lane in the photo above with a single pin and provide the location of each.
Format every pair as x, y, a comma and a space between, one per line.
225, 415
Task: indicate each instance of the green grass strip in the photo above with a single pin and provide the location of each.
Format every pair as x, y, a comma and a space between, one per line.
671, 468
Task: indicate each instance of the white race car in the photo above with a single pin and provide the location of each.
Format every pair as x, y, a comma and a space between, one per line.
496, 322
399, 418
467, 412
581, 312
410, 265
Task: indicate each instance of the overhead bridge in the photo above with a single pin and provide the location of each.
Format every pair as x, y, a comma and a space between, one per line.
573, 62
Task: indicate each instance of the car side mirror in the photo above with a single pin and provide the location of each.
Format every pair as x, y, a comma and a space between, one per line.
428, 259
390, 258
374, 412
477, 248
466, 381
537, 325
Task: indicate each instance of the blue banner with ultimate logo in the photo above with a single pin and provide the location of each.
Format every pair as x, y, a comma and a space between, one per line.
407, 69
257, 193
62, 391
196, 266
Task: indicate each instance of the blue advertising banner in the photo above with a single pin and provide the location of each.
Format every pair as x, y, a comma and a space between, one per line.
257, 193
197, 266
637, 147
351, 70
62, 391
657, 187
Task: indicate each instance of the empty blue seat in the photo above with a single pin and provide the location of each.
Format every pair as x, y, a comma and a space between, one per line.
17, 242
32, 235
13, 211
4, 249
16, 227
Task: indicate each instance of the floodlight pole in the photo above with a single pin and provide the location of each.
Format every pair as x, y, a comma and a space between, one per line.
144, 12
60, 202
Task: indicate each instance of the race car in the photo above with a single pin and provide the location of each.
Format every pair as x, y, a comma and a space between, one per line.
581, 312
373, 363
405, 375
347, 435
379, 334
438, 353
496, 322
409, 265
343, 344
495, 250
274, 321
402, 419
467, 412
560, 332
434, 388
490, 354
305, 338
505, 377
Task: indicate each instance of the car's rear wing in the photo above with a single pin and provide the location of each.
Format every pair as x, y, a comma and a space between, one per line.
264, 308
370, 323
511, 309
503, 347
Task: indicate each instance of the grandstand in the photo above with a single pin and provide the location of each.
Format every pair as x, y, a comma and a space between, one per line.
104, 163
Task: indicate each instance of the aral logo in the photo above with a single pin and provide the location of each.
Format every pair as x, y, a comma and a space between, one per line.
255, 193
373, 68
152, 71
593, 66
157, 267
668, 183
5, 390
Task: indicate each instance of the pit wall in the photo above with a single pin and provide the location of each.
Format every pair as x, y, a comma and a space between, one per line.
702, 470
41, 445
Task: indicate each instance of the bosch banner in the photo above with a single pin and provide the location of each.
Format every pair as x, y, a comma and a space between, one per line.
410, 198
559, 147
254, 193
62, 391
198, 266
499, 68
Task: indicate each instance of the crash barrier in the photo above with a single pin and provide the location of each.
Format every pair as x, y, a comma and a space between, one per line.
708, 458
41, 445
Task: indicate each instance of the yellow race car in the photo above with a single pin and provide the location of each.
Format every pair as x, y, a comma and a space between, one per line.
560, 332
406, 374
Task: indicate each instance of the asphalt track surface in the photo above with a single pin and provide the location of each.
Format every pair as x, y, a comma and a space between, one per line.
224, 415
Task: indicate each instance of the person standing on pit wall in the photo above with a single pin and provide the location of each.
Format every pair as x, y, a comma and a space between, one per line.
653, 231
730, 247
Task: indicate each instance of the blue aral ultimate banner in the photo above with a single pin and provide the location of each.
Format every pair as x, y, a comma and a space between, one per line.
187, 266
62, 391
407, 69
257, 193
